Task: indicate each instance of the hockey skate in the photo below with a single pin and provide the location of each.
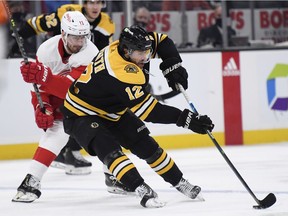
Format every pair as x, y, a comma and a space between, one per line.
59, 161
76, 163
189, 190
29, 190
149, 198
116, 187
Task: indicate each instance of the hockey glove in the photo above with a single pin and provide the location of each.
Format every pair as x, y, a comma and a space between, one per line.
197, 123
34, 72
174, 73
44, 120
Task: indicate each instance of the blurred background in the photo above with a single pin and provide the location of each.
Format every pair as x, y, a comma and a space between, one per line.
244, 24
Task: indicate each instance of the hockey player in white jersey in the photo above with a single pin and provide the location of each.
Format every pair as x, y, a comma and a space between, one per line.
67, 55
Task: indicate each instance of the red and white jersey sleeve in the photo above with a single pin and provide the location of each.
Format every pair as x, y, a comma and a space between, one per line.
64, 69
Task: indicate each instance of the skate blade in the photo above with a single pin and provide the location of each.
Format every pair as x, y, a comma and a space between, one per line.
118, 191
154, 203
71, 170
24, 197
58, 165
200, 197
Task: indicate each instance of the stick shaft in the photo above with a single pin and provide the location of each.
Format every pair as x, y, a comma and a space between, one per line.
20, 44
219, 148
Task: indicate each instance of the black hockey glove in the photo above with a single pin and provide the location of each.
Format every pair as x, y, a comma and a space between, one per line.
174, 73
197, 123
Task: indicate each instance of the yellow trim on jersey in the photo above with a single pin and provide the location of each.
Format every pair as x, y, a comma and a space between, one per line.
77, 104
143, 109
159, 160
73, 109
86, 105
106, 25
121, 69
162, 37
168, 167
156, 41
38, 26
147, 112
68, 7
136, 107
117, 162
156, 38
124, 171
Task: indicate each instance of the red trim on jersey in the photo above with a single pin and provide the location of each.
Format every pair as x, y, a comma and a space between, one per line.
58, 85
44, 156
232, 98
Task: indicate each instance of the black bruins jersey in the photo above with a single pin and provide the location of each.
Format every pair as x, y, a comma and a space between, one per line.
102, 29
110, 85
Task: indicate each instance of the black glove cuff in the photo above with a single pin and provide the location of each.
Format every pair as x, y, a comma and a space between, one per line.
183, 119
169, 65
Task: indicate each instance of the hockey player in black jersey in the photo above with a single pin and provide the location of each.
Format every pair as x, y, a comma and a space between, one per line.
101, 26
105, 107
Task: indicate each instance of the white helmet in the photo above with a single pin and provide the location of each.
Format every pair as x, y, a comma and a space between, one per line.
75, 23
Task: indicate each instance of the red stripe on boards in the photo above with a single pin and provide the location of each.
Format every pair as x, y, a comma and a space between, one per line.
232, 98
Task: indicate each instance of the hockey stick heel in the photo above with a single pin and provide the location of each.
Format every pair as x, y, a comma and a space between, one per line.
269, 200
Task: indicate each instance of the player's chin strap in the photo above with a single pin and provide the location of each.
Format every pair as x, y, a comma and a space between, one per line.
270, 199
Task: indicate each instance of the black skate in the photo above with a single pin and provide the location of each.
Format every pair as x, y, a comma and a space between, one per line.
116, 187
76, 163
189, 190
29, 190
149, 198
59, 161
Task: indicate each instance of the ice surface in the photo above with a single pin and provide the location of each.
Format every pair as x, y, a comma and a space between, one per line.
263, 167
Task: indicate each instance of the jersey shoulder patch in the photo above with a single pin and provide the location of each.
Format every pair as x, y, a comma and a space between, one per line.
121, 69
106, 25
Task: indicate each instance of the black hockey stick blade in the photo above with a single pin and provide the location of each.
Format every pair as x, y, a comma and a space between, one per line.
268, 201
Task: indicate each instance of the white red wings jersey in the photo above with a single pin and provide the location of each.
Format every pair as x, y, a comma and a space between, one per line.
65, 69
51, 54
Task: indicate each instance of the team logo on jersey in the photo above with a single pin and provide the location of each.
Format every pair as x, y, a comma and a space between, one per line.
131, 69
94, 125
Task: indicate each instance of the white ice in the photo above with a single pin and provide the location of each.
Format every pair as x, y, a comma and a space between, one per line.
263, 167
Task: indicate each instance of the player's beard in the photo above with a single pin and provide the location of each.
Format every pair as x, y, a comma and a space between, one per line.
140, 64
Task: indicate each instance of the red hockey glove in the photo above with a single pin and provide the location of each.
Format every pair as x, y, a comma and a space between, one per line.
44, 120
34, 72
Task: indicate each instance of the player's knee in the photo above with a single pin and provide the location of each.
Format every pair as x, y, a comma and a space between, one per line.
154, 157
112, 156
160, 162
145, 147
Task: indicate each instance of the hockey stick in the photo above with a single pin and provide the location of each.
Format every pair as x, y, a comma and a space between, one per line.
269, 200
19, 41
166, 95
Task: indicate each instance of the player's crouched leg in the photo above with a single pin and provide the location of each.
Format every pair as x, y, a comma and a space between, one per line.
93, 131
165, 166
125, 171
